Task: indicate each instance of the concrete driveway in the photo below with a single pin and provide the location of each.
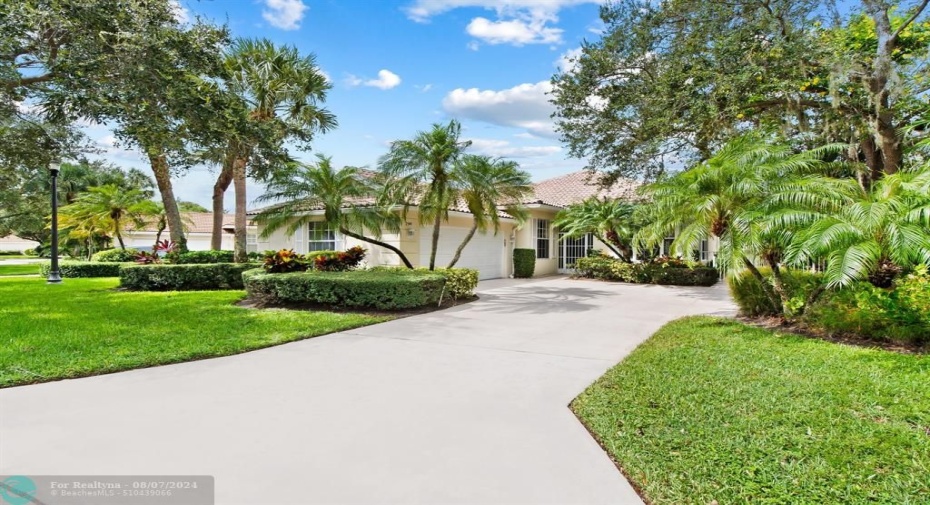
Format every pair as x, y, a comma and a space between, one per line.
467, 405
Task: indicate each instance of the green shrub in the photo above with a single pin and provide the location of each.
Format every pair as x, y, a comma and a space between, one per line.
30, 252
11, 253
899, 314
460, 282
524, 263
76, 269
163, 277
669, 272
115, 255
677, 276
204, 257
751, 298
383, 289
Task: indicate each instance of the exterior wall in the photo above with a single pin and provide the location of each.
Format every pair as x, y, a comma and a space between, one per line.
14, 243
525, 239
416, 242
195, 241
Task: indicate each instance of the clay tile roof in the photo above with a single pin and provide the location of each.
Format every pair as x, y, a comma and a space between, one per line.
196, 222
576, 187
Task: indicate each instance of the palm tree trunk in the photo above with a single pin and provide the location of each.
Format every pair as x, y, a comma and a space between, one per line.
239, 179
159, 164
119, 236
436, 224
764, 283
219, 192
610, 246
385, 245
458, 251
779, 284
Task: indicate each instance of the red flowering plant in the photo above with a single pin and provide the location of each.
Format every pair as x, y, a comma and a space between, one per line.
283, 261
163, 248
339, 261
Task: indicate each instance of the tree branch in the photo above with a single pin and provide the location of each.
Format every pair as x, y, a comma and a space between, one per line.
917, 10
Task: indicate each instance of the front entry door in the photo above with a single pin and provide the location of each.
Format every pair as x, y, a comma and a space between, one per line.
571, 249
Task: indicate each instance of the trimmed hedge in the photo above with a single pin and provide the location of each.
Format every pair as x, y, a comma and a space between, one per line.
524, 263
76, 269
460, 282
11, 253
387, 289
115, 255
612, 269
748, 294
204, 257
162, 277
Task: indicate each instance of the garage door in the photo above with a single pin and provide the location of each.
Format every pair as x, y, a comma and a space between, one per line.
484, 253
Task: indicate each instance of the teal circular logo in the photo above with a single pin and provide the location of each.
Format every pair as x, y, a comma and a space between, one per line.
18, 490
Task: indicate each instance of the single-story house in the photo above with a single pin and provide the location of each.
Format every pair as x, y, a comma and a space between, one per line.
198, 230
491, 254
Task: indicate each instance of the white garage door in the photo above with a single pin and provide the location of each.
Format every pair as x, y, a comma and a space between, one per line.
483, 253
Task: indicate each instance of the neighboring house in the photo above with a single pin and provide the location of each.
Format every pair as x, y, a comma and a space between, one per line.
198, 230
14, 243
490, 254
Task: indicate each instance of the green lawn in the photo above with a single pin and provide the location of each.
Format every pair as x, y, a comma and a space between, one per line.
710, 409
83, 327
32, 269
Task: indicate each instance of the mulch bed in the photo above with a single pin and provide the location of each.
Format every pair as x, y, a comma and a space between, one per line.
448, 303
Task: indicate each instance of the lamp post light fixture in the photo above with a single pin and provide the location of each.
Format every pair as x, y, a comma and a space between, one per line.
54, 276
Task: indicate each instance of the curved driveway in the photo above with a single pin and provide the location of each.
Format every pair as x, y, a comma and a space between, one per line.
466, 405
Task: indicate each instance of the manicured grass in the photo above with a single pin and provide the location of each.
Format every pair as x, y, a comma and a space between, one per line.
710, 409
14, 257
32, 269
83, 327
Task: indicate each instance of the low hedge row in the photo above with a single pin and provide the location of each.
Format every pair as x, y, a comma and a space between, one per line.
204, 257
460, 282
76, 269
115, 255
162, 277
388, 289
612, 269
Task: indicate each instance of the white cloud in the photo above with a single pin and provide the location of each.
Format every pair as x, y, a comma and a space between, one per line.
180, 12
473, 45
568, 60
518, 22
525, 106
386, 80
284, 14
424, 88
518, 32
503, 149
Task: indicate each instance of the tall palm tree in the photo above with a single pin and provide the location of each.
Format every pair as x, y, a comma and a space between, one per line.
610, 220
283, 91
110, 209
863, 234
726, 197
489, 187
418, 172
344, 195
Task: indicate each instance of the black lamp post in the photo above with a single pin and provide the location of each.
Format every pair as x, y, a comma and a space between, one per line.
54, 277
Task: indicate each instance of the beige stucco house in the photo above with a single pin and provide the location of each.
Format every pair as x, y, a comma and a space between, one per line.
198, 230
491, 254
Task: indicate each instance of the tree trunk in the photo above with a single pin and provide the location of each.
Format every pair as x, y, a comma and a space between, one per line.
612, 248
119, 237
461, 247
239, 179
385, 245
223, 180
763, 282
436, 224
779, 285
159, 165
219, 212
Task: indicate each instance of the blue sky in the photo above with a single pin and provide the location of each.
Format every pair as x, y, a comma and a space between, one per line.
399, 66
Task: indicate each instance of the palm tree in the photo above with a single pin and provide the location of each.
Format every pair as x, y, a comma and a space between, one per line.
863, 234
109, 209
610, 220
345, 197
282, 90
489, 187
418, 172
727, 197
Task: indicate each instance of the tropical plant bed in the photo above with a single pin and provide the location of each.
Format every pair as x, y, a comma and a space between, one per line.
710, 410
86, 327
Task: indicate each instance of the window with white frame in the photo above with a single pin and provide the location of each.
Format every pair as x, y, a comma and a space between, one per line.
251, 242
543, 241
320, 237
